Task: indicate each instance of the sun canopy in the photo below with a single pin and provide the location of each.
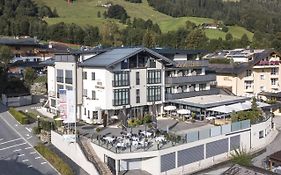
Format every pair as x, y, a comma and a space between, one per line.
170, 108
236, 107
183, 111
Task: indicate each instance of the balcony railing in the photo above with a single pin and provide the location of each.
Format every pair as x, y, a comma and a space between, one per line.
172, 96
190, 79
193, 63
268, 63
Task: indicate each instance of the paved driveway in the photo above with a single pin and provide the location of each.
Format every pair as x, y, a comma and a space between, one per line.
17, 155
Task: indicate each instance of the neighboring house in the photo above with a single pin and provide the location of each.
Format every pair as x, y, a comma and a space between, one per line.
260, 74
125, 79
236, 55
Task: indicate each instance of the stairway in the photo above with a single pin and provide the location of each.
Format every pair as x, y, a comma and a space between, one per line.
92, 157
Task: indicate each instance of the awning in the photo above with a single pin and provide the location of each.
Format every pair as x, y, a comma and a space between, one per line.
183, 111
170, 108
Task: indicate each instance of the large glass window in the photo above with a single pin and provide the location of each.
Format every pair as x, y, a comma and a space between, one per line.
121, 97
121, 79
202, 87
68, 76
60, 75
153, 93
154, 76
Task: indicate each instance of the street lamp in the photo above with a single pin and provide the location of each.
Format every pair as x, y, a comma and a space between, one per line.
38, 116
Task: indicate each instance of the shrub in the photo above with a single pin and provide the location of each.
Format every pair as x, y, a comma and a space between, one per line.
139, 121
20, 117
241, 157
36, 130
147, 119
54, 159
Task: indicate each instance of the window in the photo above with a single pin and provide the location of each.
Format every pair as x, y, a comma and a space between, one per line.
274, 71
84, 75
248, 73
137, 78
261, 134
68, 76
262, 88
202, 87
262, 77
121, 97
59, 86
273, 81
93, 95
84, 92
121, 79
95, 114
60, 75
153, 93
154, 76
248, 84
68, 87
53, 103
137, 96
85, 111
125, 64
88, 114
151, 63
93, 76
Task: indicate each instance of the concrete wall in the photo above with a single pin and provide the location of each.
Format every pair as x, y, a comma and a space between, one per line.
74, 152
16, 101
151, 160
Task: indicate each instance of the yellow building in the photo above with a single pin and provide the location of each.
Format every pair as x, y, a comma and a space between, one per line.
260, 74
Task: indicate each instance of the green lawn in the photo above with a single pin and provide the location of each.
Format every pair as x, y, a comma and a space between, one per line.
84, 12
236, 32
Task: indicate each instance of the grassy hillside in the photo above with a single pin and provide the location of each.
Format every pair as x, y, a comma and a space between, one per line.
84, 12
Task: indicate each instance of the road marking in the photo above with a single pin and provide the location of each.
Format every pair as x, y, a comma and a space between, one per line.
25, 160
16, 124
37, 157
32, 152
12, 146
9, 115
10, 141
28, 147
27, 129
16, 150
29, 166
43, 163
29, 137
1, 139
21, 155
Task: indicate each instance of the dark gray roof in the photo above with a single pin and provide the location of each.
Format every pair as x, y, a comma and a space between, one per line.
18, 42
117, 55
239, 68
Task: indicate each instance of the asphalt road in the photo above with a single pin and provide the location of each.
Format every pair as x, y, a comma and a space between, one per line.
17, 155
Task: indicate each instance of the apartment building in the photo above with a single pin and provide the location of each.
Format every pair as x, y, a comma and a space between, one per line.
130, 80
259, 74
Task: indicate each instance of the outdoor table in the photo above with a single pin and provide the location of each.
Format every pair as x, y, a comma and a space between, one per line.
109, 139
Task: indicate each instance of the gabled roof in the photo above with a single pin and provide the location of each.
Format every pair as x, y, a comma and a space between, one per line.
117, 55
178, 51
239, 68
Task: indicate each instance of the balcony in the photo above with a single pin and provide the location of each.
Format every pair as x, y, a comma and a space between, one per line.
190, 79
263, 64
193, 63
191, 94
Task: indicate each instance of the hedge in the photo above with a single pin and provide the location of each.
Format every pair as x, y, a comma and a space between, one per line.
54, 159
20, 117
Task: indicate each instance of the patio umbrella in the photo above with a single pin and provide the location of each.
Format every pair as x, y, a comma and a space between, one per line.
183, 111
170, 108
115, 117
